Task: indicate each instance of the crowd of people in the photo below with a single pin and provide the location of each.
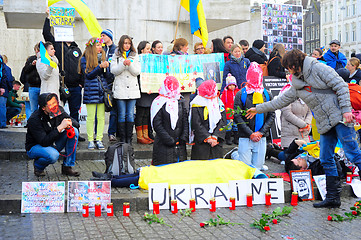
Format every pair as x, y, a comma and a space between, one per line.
205, 119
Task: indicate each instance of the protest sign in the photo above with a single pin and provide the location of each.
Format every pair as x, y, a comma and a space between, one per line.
43, 197
60, 16
91, 192
63, 34
186, 68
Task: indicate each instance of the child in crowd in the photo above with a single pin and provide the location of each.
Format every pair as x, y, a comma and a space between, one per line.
237, 66
95, 70
252, 132
227, 98
13, 106
169, 119
333, 57
206, 117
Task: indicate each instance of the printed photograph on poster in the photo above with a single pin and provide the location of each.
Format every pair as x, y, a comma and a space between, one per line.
301, 182
212, 71
320, 181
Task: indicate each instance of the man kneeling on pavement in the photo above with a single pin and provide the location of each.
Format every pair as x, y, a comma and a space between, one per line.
46, 136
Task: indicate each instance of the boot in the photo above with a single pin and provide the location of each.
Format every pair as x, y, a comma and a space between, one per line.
129, 132
121, 131
271, 151
228, 138
235, 137
145, 134
65, 170
140, 137
333, 187
38, 172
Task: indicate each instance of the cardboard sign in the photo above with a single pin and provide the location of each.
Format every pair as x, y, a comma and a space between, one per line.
63, 34
301, 182
356, 187
181, 193
91, 192
61, 16
158, 192
43, 197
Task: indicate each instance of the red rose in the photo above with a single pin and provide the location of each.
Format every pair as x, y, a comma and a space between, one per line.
202, 224
354, 213
267, 228
274, 221
329, 218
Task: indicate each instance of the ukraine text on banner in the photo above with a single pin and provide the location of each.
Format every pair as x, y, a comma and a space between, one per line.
197, 19
45, 58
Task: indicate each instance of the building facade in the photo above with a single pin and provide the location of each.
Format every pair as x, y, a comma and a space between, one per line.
311, 26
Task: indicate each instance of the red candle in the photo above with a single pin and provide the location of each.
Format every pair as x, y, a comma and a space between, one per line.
232, 203
85, 210
192, 204
294, 199
249, 200
98, 210
268, 199
349, 178
156, 207
110, 210
212, 205
126, 209
174, 207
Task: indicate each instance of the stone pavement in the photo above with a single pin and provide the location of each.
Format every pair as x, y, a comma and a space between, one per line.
304, 222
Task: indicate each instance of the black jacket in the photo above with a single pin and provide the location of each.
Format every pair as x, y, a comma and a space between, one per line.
29, 74
72, 55
275, 67
43, 130
247, 126
165, 149
256, 57
356, 77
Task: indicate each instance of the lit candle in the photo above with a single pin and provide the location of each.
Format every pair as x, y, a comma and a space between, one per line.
349, 178
156, 207
232, 203
212, 205
192, 204
85, 210
174, 207
126, 209
110, 210
249, 200
98, 210
268, 199
294, 199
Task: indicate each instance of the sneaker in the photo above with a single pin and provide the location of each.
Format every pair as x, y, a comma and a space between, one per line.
100, 145
91, 145
282, 162
81, 139
112, 138
229, 154
264, 168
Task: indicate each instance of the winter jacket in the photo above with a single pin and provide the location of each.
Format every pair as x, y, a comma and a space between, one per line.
29, 74
275, 67
93, 91
12, 100
228, 100
125, 84
356, 76
255, 55
238, 70
109, 52
72, 55
247, 126
334, 61
293, 117
165, 149
202, 150
49, 76
6, 78
328, 105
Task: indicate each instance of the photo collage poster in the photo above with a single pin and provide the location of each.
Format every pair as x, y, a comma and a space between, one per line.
282, 23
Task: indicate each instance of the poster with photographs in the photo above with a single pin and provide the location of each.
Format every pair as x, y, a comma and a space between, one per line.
282, 23
301, 182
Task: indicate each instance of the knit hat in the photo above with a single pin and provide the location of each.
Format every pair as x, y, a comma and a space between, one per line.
230, 80
208, 89
199, 81
344, 73
258, 44
108, 32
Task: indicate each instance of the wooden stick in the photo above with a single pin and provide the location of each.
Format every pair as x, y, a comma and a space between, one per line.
176, 29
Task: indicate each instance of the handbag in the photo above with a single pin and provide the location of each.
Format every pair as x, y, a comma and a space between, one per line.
108, 96
64, 93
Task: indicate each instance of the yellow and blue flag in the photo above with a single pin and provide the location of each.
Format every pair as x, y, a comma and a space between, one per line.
45, 58
197, 19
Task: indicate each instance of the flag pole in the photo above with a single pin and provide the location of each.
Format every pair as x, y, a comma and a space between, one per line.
176, 29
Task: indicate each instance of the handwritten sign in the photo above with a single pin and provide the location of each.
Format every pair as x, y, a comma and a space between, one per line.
91, 192
43, 197
63, 34
62, 16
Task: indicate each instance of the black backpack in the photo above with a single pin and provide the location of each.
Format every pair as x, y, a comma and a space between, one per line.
119, 159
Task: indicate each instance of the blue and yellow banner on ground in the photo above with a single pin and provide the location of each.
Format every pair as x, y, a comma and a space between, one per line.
186, 68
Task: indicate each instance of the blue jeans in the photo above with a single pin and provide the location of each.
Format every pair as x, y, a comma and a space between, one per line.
12, 112
126, 110
27, 110
74, 102
3, 101
328, 141
33, 98
113, 118
251, 153
45, 156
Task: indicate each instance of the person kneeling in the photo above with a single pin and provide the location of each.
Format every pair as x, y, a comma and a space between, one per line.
47, 126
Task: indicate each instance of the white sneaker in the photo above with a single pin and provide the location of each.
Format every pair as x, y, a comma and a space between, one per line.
100, 145
91, 145
282, 162
264, 168
229, 154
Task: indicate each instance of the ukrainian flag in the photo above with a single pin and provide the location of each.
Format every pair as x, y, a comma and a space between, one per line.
197, 19
45, 58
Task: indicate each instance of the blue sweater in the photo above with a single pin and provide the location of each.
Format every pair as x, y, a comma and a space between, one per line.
335, 62
238, 70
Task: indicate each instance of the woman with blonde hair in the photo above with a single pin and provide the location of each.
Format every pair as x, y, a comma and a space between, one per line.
180, 47
275, 67
199, 48
353, 65
95, 71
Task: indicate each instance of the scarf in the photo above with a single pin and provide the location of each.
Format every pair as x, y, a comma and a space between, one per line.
237, 60
126, 54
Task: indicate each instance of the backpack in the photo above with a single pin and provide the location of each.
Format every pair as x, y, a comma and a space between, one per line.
355, 95
264, 67
119, 159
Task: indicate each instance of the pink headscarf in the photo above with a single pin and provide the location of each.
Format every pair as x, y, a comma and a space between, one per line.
254, 79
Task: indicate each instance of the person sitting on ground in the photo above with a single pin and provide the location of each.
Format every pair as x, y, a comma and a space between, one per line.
14, 106
48, 126
333, 57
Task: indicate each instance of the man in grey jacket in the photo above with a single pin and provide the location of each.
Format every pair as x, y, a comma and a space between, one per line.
327, 95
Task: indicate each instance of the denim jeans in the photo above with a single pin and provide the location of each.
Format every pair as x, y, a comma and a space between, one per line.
328, 141
27, 110
33, 97
113, 118
74, 102
45, 156
251, 153
12, 112
3, 101
126, 109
